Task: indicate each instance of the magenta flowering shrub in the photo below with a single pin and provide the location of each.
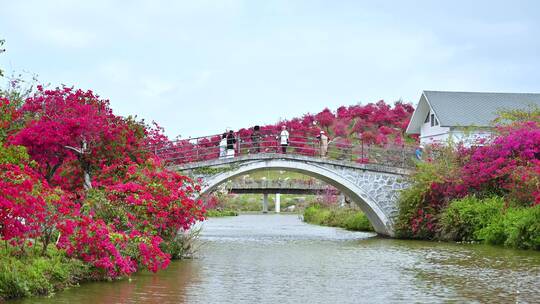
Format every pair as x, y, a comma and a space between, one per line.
507, 166
22, 206
96, 243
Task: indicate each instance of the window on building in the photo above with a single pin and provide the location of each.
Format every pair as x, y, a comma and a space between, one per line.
427, 118
434, 121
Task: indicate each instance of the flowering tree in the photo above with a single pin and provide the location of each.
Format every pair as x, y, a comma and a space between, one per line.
74, 126
325, 118
129, 212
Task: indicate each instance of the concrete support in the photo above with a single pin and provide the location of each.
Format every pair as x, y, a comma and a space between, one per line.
265, 203
278, 202
341, 200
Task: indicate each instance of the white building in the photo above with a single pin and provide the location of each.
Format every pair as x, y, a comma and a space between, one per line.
462, 116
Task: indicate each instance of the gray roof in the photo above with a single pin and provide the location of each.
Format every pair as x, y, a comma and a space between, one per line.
474, 108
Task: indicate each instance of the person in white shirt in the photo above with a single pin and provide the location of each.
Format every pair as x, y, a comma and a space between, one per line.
284, 139
323, 144
223, 146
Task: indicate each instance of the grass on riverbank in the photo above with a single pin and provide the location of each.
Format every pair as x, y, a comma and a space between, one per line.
31, 274
221, 213
346, 218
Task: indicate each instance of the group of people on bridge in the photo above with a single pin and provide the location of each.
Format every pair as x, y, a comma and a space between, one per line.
227, 145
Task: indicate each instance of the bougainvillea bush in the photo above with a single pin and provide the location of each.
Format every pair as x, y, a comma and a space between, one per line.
126, 217
507, 167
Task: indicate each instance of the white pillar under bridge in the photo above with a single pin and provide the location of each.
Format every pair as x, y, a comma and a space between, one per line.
278, 202
265, 203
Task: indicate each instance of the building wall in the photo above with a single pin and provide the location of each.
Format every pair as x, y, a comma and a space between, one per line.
429, 134
469, 138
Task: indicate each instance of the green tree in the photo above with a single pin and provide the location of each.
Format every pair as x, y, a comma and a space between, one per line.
510, 116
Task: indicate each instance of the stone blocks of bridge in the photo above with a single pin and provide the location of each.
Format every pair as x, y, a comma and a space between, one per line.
379, 187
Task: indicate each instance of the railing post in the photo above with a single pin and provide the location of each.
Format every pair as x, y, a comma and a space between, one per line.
197, 148
238, 144
362, 154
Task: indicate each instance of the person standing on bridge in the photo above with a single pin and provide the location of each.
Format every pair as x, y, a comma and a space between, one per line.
418, 152
256, 139
231, 141
323, 144
284, 139
223, 146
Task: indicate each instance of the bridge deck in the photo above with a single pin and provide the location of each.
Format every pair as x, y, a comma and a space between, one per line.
271, 156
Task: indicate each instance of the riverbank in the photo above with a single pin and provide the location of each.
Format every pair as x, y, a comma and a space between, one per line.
230, 212
347, 218
221, 213
482, 220
31, 274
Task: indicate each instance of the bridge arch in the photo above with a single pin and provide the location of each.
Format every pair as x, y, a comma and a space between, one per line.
379, 217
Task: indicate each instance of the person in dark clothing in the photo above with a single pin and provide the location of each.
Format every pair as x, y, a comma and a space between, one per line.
256, 139
231, 140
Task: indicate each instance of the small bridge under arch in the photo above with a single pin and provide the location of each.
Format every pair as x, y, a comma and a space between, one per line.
374, 187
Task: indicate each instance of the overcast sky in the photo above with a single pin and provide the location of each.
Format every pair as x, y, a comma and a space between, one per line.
198, 67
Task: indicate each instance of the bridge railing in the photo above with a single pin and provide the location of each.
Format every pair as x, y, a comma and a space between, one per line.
276, 184
208, 148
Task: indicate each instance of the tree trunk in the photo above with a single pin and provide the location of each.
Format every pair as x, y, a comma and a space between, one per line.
87, 181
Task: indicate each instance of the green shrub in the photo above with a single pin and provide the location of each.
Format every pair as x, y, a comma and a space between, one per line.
316, 214
463, 218
349, 219
524, 232
357, 221
517, 228
494, 233
33, 274
309, 213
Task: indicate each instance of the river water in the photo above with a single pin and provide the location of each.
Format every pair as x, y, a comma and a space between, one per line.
280, 259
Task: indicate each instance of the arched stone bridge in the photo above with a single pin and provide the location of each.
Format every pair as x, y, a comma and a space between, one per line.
373, 187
